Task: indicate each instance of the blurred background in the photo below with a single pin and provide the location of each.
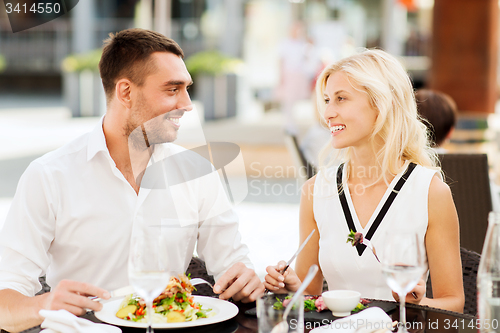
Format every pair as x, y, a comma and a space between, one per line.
254, 64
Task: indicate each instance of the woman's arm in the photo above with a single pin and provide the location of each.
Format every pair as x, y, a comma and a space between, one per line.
309, 254
442, 243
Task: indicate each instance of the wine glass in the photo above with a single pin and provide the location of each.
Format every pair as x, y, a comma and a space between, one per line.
147, 269
403, 263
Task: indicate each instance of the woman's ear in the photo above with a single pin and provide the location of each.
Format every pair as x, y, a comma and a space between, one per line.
123, 93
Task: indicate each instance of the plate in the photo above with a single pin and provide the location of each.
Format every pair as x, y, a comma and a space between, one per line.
373, 317
224, 310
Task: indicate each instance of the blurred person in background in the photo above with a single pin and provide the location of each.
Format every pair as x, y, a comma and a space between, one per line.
75, 208
299, 63
439, 113
368, 102
315, 139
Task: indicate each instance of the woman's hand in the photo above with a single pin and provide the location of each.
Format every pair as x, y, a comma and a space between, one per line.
419, 290
281, 283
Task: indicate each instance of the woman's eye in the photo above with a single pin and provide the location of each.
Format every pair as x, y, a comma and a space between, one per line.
340, 98
327, 101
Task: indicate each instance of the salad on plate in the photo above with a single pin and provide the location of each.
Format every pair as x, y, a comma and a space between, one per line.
315, 303
174, 305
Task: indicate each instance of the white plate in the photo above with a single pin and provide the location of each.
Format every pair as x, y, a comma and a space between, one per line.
224, 310
375, 317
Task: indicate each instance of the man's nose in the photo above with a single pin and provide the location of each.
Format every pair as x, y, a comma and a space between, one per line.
188, 107
185, 102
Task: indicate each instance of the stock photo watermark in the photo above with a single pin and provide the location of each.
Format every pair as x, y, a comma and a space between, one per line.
269, 181
416, 326
27, 14
352, 324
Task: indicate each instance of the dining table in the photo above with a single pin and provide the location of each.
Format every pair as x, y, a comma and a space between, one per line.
419, 319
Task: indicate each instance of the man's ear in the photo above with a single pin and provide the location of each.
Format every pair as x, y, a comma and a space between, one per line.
123, 93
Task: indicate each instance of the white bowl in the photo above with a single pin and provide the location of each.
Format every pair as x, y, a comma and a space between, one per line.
341, 302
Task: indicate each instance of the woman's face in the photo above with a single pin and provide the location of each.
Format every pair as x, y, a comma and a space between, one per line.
348, 112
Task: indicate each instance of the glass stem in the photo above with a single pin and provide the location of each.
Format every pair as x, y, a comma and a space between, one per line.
149, 306
402, 313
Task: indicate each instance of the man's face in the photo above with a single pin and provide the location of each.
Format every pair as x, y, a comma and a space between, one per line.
160, 102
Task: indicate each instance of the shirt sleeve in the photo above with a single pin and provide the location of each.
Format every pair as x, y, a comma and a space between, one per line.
219, 240
28, 232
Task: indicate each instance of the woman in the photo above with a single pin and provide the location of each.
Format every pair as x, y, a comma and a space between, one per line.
368, 103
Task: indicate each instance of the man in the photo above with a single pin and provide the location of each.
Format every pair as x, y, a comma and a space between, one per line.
76, 208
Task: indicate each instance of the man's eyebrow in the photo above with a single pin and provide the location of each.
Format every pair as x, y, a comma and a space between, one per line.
177, 83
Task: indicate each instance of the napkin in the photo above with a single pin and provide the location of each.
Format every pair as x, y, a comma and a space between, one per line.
367, 320
62, 321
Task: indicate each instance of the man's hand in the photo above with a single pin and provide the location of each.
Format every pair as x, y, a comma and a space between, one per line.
240, 283
73, 297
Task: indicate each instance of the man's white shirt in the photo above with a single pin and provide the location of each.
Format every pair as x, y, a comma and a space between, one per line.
74, 212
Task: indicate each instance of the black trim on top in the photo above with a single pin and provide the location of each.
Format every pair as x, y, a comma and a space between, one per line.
383, 211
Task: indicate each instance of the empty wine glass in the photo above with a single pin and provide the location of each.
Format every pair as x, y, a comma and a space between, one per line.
403, 263
147, 269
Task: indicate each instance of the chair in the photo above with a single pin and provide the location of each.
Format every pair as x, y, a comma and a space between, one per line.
305, 169
45, 286
468, 178
198, 269
470, 264
325, 285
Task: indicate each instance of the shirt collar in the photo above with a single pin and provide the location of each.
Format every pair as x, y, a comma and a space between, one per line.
97, 141
161, 151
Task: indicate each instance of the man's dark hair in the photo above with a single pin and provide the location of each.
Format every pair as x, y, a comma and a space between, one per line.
127, 55
440, 111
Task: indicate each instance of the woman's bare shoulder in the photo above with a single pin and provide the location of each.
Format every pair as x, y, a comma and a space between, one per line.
438, 188
441, 205
308, 188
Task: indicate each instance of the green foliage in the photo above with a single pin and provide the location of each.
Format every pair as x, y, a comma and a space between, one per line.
3, 63
212, 63
82, 61
359, 307
310, 305
278, 305
351, 237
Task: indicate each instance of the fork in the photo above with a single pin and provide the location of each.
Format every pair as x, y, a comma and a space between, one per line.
115, 293
371, 247
197, 281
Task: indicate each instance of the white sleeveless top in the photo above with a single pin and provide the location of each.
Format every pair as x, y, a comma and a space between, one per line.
340, 262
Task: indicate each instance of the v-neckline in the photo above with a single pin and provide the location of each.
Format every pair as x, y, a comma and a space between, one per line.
381, 203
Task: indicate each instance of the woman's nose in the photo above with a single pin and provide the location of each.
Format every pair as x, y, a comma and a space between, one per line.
330, 113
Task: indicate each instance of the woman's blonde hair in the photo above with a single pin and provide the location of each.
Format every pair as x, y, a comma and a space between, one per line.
390, 92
